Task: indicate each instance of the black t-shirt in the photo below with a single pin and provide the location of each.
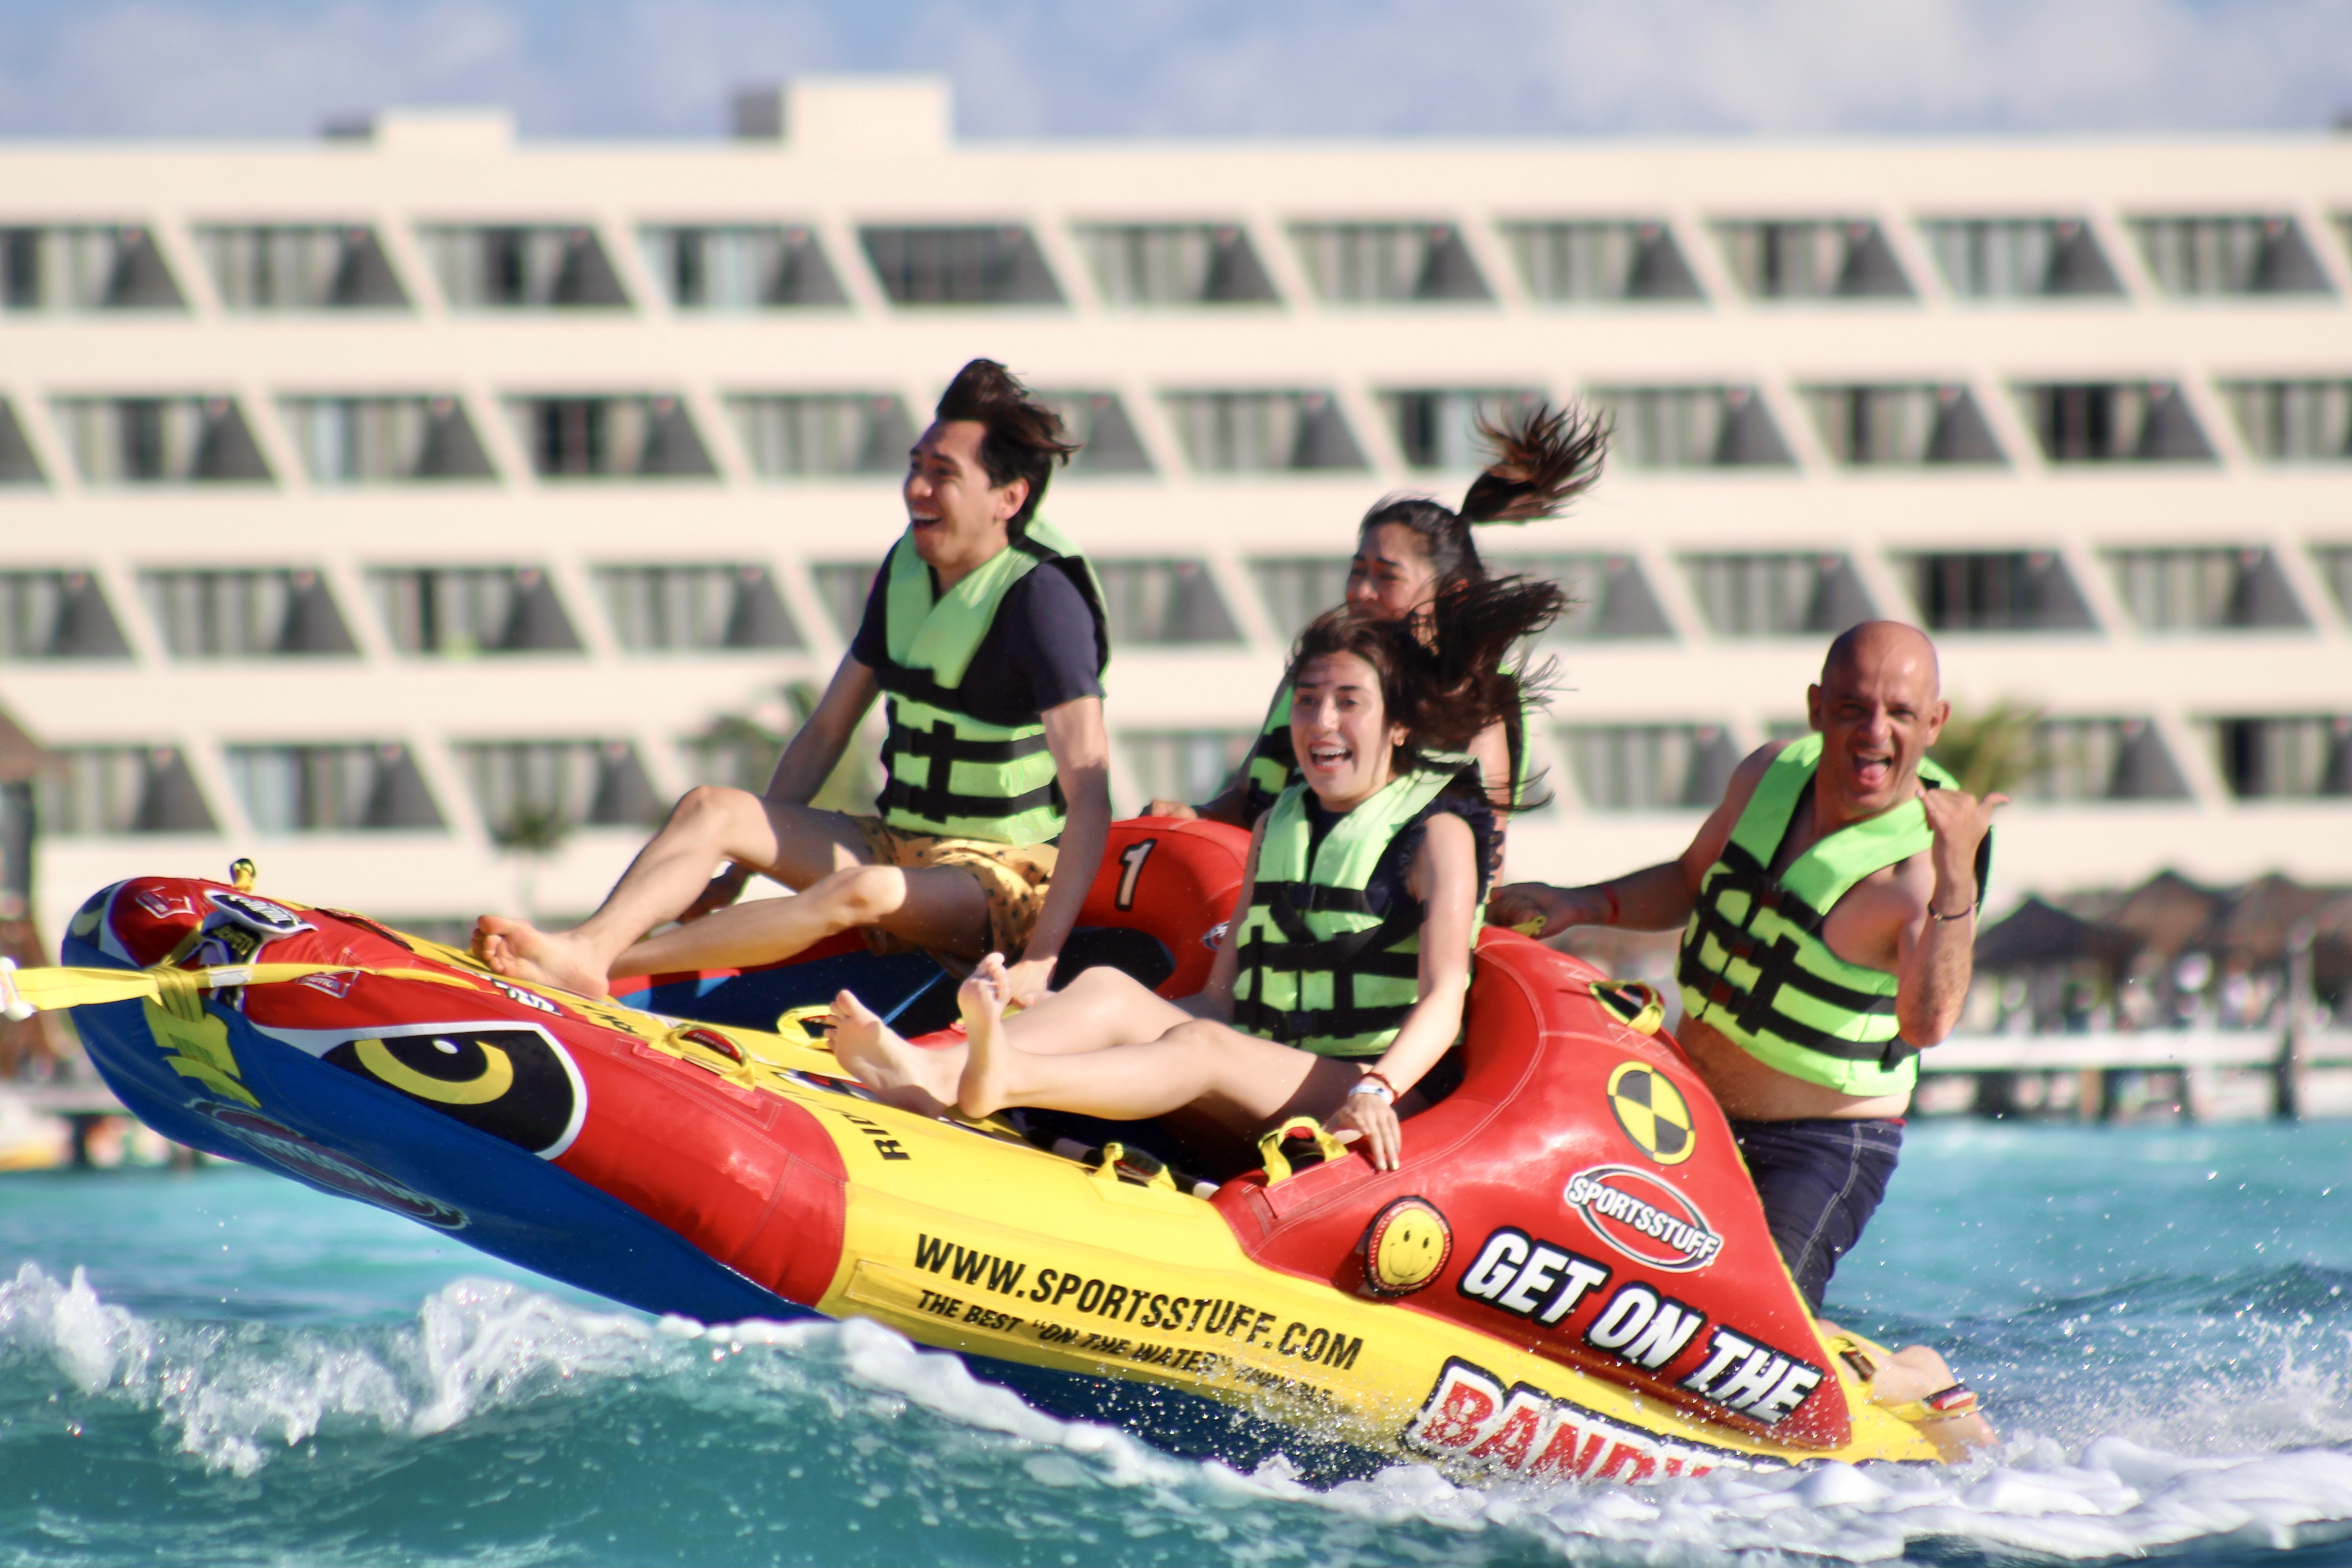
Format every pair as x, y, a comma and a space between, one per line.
1385, 889
1038, 653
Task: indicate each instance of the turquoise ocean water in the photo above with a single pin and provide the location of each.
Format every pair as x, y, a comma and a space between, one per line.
226, 1368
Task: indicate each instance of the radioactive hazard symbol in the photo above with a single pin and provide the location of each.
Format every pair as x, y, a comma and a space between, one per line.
1653, 1112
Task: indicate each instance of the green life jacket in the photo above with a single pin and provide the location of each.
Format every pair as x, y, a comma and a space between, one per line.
951, 774
1317, 969
1273, 764
1754, 965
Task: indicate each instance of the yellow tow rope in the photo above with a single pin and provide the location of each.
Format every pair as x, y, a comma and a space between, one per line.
179, 991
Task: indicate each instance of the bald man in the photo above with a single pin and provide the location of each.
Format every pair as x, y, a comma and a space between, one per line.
1828, 908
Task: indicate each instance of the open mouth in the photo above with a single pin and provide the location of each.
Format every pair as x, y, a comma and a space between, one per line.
1873, 770
923, 519
1327, 757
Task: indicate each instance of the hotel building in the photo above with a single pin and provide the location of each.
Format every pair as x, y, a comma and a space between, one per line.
419, 512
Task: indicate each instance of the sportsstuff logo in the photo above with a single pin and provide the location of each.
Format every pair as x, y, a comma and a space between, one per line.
1643, 1217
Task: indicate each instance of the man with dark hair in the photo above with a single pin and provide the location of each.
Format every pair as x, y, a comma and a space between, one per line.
985, 627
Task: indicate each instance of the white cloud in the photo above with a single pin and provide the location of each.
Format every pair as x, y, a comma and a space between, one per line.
1195, 67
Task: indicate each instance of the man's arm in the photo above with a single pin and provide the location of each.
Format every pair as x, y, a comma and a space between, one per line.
1081, 749
1937, 954
809, 759
1656, 897
815, 748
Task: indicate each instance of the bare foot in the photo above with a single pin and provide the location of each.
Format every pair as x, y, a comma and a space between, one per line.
521, 950
912, 1079
981, 1090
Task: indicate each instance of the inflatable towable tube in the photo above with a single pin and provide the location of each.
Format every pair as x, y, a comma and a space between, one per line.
1569, 1276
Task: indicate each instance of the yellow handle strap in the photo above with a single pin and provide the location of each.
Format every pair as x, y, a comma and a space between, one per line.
793, 1022
1634, 1003
1269, 1148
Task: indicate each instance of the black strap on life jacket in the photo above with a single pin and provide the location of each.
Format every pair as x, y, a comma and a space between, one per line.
1755, 1011
933, 800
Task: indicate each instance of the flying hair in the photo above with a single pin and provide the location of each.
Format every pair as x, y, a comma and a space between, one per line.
1447, 689
1024, 437
1543, 459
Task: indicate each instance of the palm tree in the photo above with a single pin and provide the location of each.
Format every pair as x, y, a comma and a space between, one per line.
1994, 749
534, 834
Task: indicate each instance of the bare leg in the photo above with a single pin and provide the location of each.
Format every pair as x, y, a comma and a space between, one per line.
1101, 1009
795, 844
1252, 1079
938, 907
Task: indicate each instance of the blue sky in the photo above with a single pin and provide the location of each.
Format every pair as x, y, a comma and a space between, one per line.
602, 68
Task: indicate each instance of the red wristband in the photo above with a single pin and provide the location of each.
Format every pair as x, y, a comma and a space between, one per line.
1609, 894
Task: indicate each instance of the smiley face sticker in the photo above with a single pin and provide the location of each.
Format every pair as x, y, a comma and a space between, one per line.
1405, 1247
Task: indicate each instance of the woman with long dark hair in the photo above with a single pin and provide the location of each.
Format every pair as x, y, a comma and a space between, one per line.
1338, 991
1410, 549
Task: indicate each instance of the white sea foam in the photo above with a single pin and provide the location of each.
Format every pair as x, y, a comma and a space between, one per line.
232, 1396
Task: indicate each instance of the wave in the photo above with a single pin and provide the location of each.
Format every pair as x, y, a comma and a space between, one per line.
500, 1424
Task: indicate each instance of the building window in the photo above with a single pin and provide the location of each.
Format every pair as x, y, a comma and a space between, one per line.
85, 267
2246, 254
739, 268
842, 586
1107, 437
457, 612
1605, 262
515, 267
2292, 421
1163, 604
1997, 591
316, 267
2298, 756
822, 435
365, 788
1183, 764
1776, 595
1298, 590
980, 264
1374, 263
1902, 426
2114, 422
2100, 760
644, 436
679, 609
160, 440
1438, 431
2335, 564
1175, 264
1811, 259
2204, 589
1264, 432
521, 785
56, 614
1692, 427
2019, 258
18, 465
1610, 600
1650, 767
386, 440
94, 791
231, 613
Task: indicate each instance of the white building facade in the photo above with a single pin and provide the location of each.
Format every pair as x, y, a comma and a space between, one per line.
420, 512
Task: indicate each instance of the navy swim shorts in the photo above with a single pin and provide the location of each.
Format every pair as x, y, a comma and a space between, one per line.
1820, 1178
